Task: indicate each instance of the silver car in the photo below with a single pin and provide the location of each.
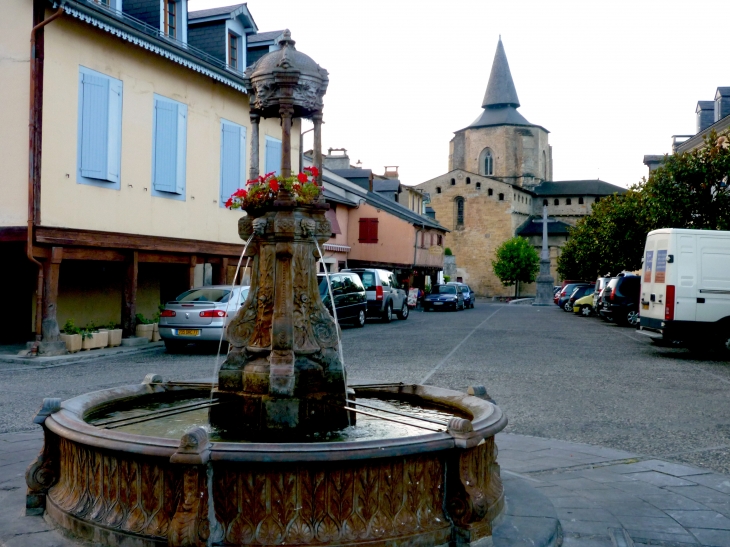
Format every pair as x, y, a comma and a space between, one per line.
198, 315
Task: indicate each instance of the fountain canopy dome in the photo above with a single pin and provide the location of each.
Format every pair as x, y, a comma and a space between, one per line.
286, 77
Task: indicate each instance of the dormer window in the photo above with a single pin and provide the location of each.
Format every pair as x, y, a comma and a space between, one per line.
233, 50
171, 18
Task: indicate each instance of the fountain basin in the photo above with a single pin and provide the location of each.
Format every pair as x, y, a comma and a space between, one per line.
118, 488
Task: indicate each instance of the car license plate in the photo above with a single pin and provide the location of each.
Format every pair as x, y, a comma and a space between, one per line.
438, 303
188, 332
645, 306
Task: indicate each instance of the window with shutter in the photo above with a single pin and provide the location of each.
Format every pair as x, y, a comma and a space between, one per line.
233, 154
99, 148
169, 146
368, 230
273, 155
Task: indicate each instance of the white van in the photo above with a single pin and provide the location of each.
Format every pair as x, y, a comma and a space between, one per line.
685, 285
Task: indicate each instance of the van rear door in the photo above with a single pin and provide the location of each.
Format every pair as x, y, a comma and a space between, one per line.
650, 291
714, 278
685, 259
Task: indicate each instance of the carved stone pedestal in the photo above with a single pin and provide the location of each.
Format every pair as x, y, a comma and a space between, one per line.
283, 371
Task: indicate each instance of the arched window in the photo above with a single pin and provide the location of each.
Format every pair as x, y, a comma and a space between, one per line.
490, 192
544, 165
544, 203
580, 201
468, 180
438, 189
479, 185
459, 211
439, 240
423, 239
453, 182
501, 197
556, 201
486, 162
568, 201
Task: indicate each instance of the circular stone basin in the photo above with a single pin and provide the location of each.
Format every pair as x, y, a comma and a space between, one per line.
180, 484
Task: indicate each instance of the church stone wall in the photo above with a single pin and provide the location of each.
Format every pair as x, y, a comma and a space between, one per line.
575, 209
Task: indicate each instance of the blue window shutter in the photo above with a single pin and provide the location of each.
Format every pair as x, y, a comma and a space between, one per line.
273, 156
230, 159
165, 147
114, 154
182, 141
94, 125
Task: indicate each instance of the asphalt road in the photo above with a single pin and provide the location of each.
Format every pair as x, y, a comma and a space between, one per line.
554, 374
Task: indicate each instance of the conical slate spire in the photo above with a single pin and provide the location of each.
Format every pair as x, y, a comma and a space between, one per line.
501, 89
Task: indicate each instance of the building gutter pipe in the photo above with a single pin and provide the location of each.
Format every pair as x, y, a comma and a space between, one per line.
34, 164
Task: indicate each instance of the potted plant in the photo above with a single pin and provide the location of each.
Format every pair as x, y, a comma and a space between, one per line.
71, 336
156, 324
145, 327
93, 337
261, 192
115, 335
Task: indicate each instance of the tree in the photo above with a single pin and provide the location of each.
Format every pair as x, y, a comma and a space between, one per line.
517, 261
690, 190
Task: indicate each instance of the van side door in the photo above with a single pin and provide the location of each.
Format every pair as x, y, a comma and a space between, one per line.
714, 278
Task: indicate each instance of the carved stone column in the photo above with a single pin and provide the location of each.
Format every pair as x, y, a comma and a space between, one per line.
43, 472
286, 111
317, 153
253, 170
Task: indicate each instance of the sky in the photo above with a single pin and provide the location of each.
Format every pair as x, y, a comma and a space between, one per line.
611, 81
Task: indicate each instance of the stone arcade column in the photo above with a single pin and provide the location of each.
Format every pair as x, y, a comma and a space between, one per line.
253, 170
317, 145
545, 281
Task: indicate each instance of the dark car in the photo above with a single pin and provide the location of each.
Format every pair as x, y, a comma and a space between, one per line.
444, 297
351, 301
564, 295
385, 297
579, 292
620, 299
469, 295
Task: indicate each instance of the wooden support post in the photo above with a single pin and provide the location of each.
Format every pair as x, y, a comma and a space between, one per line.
129, 296
191, 271
51, 272
222, 277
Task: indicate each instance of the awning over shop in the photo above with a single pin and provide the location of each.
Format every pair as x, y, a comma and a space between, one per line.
332, 217
336, 248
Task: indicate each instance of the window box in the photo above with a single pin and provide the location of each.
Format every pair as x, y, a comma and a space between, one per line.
145, 331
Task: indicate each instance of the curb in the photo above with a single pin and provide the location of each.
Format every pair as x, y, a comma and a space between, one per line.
528, 519
42, 362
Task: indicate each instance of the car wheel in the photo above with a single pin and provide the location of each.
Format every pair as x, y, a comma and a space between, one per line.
388, 313
567, 306
404, 311
632, 318
586, 311
360, 320
472, 304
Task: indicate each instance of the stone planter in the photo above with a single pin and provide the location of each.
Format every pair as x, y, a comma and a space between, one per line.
115, 338
156, 333
95, 340
72, 341
145, 331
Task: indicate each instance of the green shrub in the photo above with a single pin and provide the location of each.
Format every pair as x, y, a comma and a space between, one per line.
447, 251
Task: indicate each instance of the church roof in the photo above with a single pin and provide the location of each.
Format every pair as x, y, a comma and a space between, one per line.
530, 228
500, 102
595, 187
500, 89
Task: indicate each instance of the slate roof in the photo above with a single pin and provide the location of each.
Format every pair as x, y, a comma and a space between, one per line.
577, 188
501, 88
722, 92
331, 196
390, 185
386, 204
705, 105
263, 36
212, 12
352, 173
530, 228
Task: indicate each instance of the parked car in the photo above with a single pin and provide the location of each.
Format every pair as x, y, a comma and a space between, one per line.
620, 301
685, 290
601, 283
200, 315
584, 306
351, 300
565, 294
444, 297
385, 296
579, 292
469, 296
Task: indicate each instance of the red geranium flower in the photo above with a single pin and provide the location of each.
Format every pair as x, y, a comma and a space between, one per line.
315, 171
229, 202
240, 193
301, 177
274, 185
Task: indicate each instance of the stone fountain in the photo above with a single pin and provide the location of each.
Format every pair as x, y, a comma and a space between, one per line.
261, 472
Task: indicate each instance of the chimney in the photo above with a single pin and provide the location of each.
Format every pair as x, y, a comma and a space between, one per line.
391, 172
722, 103
336, 161
705, 115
